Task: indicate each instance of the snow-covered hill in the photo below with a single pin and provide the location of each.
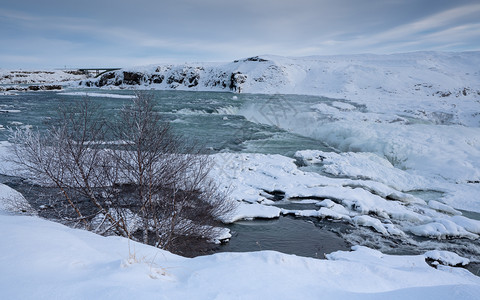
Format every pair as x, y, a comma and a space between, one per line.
411, 75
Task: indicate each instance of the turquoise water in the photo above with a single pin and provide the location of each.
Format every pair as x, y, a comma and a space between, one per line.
210, 118
214, 121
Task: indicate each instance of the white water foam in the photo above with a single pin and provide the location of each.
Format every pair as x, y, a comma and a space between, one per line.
104, 95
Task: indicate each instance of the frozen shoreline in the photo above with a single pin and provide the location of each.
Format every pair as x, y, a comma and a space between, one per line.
260, 182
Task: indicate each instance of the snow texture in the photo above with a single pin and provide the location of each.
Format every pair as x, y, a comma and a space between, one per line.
447, 258
12, 201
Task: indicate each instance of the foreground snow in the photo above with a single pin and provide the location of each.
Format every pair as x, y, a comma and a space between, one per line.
41, 259
13, 201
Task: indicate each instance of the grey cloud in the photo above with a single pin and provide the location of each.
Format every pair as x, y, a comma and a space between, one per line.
149, 31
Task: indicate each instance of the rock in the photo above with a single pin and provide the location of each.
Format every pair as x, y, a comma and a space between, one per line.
51, 87
106, 78
254, 58
236, 81
156, 78
176, 78
34, 88
132, 78
193, 80
44, 87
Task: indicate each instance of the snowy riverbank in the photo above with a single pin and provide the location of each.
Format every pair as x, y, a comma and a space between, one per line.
368, 194
44, 259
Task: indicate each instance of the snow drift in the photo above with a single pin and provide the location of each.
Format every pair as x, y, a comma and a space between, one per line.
41, 259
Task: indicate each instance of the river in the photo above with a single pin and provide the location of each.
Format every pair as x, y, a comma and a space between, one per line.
226, 122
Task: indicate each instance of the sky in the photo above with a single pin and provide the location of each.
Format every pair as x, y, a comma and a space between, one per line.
118, 33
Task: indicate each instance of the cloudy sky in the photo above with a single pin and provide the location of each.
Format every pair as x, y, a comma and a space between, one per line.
118, 33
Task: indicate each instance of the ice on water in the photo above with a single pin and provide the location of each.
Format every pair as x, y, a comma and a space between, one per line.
363, 202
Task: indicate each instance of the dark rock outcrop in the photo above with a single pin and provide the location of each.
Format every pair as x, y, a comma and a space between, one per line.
254, 58
132, 78
176, 78
187, 76
47, 87
105, 78
236, 81
221, 80
156, 78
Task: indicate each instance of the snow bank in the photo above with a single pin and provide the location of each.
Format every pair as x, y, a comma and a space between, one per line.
250, 211
443, 207
441, 229
362, 165
321, 213
370, 222
41, 259
471, 225
12, 201
447, 258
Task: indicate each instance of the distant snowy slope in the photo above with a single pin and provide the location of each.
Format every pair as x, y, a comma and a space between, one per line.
412, 75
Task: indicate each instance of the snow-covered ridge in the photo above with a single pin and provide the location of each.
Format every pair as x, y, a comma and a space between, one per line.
412, 75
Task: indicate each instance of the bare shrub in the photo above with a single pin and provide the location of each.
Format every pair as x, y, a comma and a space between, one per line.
151, 185
169, 177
